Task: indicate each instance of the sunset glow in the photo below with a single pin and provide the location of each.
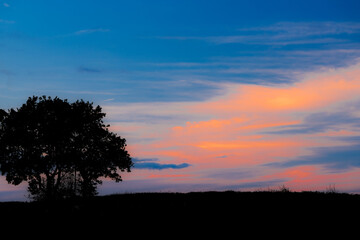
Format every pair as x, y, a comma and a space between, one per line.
210, 95
265, 126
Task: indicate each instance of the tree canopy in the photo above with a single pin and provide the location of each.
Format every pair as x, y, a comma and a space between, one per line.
61, 149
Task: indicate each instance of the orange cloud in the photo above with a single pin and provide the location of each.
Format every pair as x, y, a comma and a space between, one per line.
244, 144
313, 93
213, 124
230, 131
248, 111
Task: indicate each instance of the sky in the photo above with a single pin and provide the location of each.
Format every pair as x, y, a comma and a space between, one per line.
209, 94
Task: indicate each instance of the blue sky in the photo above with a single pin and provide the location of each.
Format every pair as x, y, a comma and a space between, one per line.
133, 56
140, 50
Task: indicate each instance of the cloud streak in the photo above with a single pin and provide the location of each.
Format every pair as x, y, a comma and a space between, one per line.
320, 122
89, 70
154, 164
336, 159
258, 40
7, 21
93, 30
159, 166
265, 129
283, 33
301, 29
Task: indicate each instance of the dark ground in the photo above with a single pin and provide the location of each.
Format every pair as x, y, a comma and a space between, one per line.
193, 210
189, 203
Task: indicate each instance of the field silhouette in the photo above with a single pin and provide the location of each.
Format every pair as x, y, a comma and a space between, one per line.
194, 204
191, 215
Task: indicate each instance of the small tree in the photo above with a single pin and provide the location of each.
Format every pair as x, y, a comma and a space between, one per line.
61, 149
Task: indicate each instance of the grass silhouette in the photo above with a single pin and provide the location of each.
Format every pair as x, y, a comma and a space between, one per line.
281, 201
270, 212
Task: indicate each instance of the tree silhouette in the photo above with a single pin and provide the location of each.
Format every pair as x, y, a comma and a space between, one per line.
61, 149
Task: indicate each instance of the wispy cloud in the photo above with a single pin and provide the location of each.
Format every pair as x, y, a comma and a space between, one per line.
258, 40
7, 72
267, 67
80, 92
302, 29
338, 158
320, 122
109, 100
89, 70
6, 21
283, 33
307, 118
93, 30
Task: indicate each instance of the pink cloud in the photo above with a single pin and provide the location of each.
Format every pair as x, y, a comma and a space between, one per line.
318, 91
234, 127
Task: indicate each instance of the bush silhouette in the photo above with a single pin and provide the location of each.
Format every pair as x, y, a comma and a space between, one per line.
61, 149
